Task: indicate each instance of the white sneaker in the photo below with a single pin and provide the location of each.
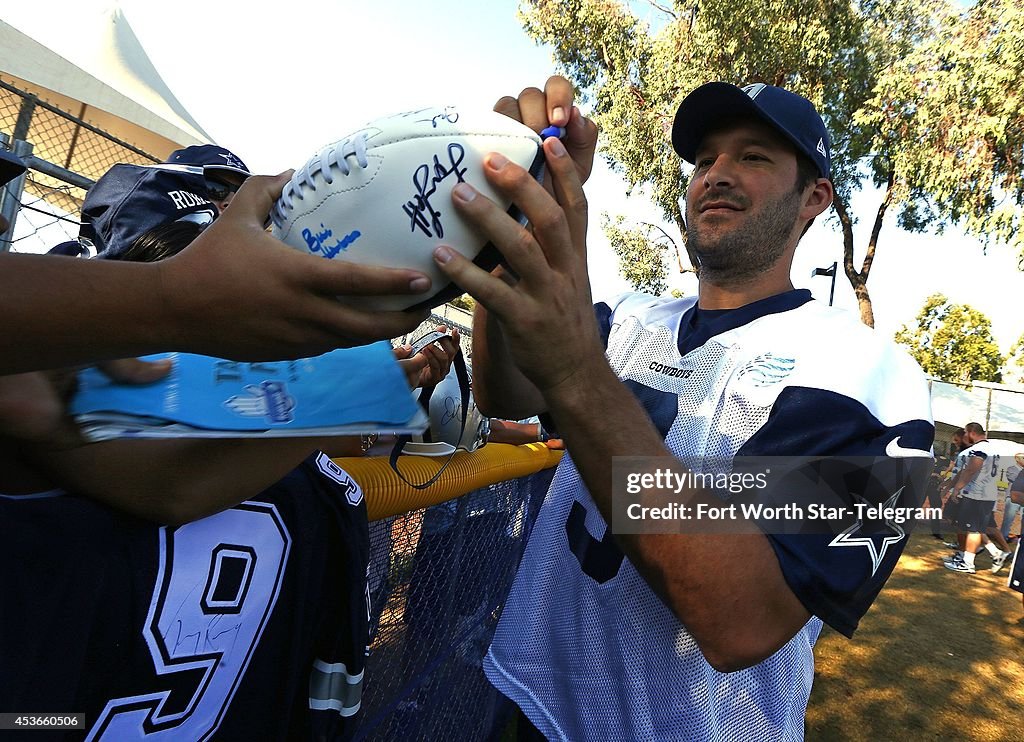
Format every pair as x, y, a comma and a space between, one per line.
999, 561
959, 565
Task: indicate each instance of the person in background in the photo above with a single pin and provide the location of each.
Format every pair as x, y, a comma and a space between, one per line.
949, 512
1011, 509
223, 170
976, 489
1017, 495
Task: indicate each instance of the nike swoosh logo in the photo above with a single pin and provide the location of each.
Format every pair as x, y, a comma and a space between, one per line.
894, 449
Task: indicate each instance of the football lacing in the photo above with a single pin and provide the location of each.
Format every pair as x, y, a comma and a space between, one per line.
334, 156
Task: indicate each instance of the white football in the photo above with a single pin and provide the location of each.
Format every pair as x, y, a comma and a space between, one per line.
382, 196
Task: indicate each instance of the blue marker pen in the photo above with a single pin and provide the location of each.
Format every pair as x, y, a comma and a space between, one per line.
552, 131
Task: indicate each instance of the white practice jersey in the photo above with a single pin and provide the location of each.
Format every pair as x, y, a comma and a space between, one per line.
584, 647
961, 461
984, 485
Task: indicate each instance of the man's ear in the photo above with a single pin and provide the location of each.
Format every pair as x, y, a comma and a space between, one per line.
817, 199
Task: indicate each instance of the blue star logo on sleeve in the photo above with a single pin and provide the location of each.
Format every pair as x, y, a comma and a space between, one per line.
846, 538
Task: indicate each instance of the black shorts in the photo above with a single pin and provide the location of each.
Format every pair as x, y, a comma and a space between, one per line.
950, 511
974, 516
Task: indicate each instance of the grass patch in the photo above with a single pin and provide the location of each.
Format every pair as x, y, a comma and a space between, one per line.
940, 655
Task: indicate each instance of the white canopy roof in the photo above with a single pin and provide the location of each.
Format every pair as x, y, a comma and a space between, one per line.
88, 62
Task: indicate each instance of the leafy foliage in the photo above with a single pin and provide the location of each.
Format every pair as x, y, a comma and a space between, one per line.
642, 261
920, 96
953, 342
948, 118
464, 302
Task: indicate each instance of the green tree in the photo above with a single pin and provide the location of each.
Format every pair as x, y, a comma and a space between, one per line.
947, 121
867, 66
464, 302
643, 253
953, 342
641, 261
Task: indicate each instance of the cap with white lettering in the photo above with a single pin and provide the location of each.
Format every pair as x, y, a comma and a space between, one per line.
130, 200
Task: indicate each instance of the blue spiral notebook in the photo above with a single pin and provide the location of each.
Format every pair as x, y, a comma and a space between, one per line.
345, 392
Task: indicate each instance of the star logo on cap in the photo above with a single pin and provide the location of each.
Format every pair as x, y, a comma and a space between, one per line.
231, 160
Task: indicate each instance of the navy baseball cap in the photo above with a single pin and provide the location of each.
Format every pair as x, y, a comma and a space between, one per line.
792, 115
11, 166
130, 200
218, 163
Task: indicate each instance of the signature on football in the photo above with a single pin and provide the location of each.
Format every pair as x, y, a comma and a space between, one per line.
450, 115
318, 242
422, 215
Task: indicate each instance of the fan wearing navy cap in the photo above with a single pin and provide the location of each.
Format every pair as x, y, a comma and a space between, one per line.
685, 633
245, 616
130, 201
224, 171
237, 293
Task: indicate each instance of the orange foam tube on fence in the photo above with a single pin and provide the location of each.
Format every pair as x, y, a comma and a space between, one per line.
387, 495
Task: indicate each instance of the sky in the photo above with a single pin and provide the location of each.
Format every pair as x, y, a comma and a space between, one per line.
275, 81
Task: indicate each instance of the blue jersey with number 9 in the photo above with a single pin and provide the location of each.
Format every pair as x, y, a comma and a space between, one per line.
248, 624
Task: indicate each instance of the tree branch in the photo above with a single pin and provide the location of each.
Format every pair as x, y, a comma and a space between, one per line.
847, 224
606, 58
690, 254
663, 9
869, 258
675, 246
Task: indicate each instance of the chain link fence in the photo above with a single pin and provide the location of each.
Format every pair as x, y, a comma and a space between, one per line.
438, 582
1000, 409
65, 155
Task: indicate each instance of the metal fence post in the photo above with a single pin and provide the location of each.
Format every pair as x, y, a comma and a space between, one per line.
54, 190
25, 113
10, 196
988, 409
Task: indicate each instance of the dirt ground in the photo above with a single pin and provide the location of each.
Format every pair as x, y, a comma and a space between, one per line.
940, 655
